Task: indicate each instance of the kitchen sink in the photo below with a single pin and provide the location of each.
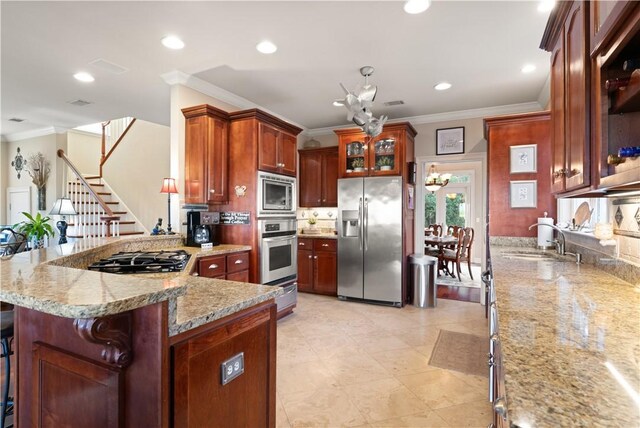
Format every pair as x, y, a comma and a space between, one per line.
521, 255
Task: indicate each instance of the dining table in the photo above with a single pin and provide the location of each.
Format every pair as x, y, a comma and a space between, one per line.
441, 242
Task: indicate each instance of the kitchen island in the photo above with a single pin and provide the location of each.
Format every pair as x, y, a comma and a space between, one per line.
569, 342
102, 349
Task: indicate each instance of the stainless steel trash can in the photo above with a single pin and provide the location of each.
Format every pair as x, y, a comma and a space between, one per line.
423, 280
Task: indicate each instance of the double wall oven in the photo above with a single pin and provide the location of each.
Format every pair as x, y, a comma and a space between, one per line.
277, 235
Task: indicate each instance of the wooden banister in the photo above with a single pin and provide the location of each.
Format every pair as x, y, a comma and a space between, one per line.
101, 202
104, 158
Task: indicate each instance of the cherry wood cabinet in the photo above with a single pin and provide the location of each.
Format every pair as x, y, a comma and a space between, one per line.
318, 266
385, 154
206, 155
233, 267
318, 181
200, 399
277, 150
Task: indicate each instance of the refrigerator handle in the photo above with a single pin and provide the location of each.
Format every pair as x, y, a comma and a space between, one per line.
366, 224
360, 223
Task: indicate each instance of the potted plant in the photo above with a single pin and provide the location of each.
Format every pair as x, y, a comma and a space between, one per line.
35, 228
385, 163
358, 164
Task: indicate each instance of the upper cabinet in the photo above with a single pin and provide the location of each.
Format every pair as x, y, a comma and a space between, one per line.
318, 182
595, 101
206, 155
385, 154
276, 150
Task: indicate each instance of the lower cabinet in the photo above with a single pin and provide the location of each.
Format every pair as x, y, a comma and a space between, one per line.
317, 266
232, 267
202, 394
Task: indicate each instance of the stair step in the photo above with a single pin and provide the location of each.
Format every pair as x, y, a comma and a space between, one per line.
92, 177
94, 202
94, 224
99, 193
90, 184
121, 234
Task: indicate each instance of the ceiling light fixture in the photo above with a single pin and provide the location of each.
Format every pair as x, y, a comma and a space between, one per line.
528, 68
338, 103
266, 47
436, 181
442, 86
546, 5
172, 42
416, 6
83, 77
359, 104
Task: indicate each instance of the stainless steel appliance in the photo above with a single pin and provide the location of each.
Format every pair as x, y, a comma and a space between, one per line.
370, 239
143, 262
203, 228
279, 259
276, 195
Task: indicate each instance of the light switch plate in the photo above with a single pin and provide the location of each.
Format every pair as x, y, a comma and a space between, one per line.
232, 368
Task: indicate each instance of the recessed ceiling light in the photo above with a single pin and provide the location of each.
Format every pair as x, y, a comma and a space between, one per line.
416, 6
84, 77
546, 5
266, 47
528, 68
172, 42
442, 86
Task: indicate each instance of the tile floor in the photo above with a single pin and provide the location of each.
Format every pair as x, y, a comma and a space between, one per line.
359, 365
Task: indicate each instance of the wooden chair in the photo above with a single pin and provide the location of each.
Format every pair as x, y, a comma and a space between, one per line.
462, 252
430, 249
436, 228
453, 230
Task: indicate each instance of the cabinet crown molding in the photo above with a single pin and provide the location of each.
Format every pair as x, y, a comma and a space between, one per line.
255, 113
204, 109
554, 25
404, 126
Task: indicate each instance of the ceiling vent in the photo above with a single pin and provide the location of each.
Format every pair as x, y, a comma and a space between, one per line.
394, 103
16, 119
80, 103
105, 65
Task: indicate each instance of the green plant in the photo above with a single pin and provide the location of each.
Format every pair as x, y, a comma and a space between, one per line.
385, 161
311, 220
35, 227
358, 163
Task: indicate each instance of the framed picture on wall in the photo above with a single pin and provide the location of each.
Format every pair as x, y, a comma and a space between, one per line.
523, 158
523, 193
450, 141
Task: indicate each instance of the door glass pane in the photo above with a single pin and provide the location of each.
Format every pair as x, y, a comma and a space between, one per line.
455, 209
385, 154
429, 209
355, 156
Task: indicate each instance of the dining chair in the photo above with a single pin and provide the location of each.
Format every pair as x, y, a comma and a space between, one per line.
453, 230
432, 249
436, 228
462, 252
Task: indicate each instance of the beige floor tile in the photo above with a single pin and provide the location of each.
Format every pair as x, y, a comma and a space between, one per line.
356, 368
304, 377
475, 414
325, 407
334, 345
294, 351
372, 344
428, 419
384, 399
440, 388
282, 421
478, 382
403, 361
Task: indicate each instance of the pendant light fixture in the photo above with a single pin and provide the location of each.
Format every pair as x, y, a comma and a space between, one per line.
359, 103
435, 181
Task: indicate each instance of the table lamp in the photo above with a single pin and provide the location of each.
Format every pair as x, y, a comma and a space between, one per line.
63, 207
169, 187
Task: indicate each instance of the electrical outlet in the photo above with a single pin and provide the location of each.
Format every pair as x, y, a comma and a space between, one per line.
232, 368
207, 246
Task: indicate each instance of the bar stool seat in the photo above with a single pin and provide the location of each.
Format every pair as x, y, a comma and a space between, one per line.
6, 337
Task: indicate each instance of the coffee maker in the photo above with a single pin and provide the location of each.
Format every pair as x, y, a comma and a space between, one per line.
203, 228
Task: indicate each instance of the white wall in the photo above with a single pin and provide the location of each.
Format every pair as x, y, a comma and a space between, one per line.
135, 171
83, 149
5, 165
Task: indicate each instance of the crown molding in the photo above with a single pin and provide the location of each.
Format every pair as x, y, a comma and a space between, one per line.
34, 133
177, 77
445, 117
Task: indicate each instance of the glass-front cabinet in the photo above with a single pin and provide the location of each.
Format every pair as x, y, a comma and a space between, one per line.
385, 154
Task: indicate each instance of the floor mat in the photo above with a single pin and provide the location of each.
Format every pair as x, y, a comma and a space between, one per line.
461, 352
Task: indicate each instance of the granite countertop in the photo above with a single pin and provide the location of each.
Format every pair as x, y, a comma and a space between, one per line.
323, 235
566, 332
54, 280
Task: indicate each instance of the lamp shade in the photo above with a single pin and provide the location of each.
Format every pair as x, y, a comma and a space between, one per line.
169, 186
63, 206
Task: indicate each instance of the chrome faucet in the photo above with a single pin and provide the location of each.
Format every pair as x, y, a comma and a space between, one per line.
560, 246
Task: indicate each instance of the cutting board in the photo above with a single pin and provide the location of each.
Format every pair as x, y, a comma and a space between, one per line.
583, 214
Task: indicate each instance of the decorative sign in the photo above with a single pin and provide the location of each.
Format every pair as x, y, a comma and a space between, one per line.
450, 141
235, 218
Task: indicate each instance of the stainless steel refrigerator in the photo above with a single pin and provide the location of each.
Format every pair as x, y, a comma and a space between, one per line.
370, 239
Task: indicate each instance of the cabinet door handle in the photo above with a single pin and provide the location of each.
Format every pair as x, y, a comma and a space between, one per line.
238, 262
196, 274
212, 190
325, 245
500, 407
213, 266
318, 200
310, 257
574, 172
315, 257
301, 244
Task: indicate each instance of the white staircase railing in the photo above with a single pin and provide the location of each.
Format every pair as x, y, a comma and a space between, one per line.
113, 132
94, 218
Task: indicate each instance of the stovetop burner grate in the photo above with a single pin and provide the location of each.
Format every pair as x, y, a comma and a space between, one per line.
143, 262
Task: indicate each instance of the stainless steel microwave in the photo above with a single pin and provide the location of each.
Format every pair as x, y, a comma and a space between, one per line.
276, 195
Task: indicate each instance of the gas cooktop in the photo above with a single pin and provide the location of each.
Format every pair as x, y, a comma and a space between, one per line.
143, 262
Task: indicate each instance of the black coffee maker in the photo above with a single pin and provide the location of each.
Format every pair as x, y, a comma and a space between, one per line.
203, 228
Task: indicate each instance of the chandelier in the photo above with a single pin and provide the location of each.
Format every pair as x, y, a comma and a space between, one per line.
359, 103
435, 181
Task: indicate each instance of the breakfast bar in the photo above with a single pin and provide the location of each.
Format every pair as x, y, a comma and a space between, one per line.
104, 349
